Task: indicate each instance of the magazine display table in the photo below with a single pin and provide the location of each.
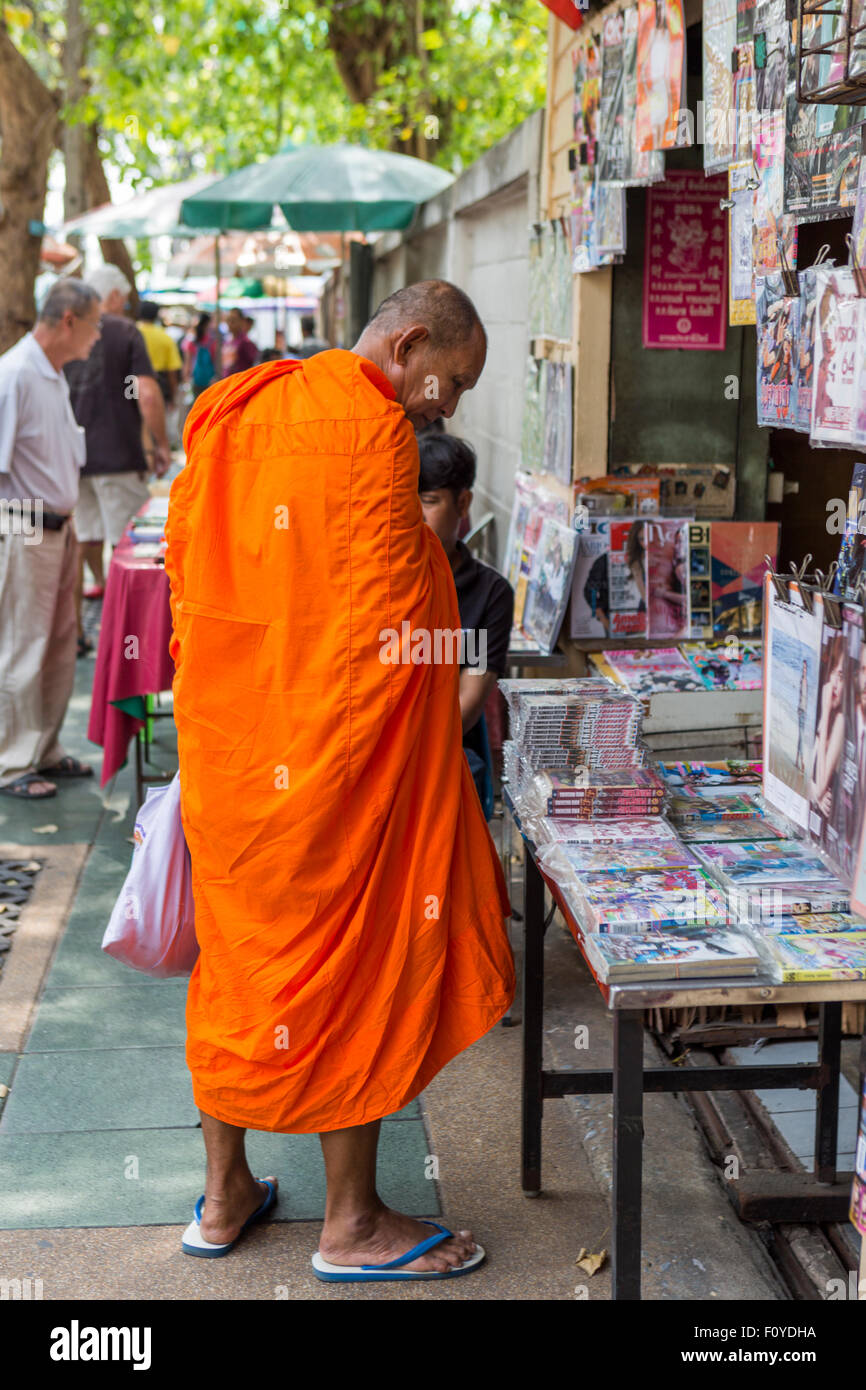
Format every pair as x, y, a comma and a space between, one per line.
758, 1196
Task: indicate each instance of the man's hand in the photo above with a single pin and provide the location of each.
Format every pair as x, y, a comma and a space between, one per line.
475, 687
161, 459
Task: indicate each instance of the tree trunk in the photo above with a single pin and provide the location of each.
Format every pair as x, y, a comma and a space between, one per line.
96, 188
74, 131
28, 130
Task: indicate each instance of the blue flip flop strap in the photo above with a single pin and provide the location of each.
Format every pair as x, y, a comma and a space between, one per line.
199, 1206
417, 1250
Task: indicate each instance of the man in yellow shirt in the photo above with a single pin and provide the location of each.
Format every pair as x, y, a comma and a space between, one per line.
161, 349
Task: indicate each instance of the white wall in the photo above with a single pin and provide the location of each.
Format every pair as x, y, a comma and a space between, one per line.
476, 234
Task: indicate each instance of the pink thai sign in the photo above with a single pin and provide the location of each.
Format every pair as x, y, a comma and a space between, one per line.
685, 261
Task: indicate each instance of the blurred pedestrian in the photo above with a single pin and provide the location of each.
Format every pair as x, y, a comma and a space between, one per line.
239, 352
112, 393
42, 450
310, 344
161, 349
201, 356
279, 349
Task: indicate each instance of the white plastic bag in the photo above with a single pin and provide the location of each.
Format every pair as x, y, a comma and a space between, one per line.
152, 927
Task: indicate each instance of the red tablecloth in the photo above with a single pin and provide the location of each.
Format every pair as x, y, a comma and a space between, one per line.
136, 606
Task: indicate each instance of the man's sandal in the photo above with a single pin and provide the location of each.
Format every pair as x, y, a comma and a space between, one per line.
194, 1243
19, 787
67, 767
393, 1270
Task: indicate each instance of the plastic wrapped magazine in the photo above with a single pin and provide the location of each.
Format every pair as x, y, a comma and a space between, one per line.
654, 670
840, 343
810, 922
661, 75
765, 860
517, 526
611, 126
549, 583
532, 431
558, 387
568, 857
640, 899
814, 955
852, 550
791, 680
770, 223
691, 803
760, 828
639, 166
650, 830
727, 772
730, 665
756, 900
680, 954
777, 315
719, 40
726, 577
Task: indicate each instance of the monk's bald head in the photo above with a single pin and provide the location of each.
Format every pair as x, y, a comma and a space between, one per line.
430, 342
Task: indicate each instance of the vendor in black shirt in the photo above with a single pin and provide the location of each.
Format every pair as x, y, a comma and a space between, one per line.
485, 599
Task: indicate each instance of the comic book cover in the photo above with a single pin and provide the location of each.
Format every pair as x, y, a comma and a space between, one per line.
759, 828
667, 545
770, 859
840, 328
743, 98
730, 665
817, 955
661, 54
693, 803
852, 549
653, 670
671, 955
806, 349
777, 315
725, 772
584, 859
771, 54
631, 900
770, 222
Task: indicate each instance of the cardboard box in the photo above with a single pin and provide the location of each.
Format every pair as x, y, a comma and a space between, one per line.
707, 488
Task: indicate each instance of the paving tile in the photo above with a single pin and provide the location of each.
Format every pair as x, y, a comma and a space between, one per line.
80, 961
69, 1180
7, 1066
112, 1017
131, 1088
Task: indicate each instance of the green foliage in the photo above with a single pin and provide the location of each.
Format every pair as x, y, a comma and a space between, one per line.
216, 84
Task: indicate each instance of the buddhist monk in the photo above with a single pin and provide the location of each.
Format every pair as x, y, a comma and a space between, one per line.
349, 901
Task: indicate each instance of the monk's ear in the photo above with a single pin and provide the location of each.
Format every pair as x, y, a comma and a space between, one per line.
409, 339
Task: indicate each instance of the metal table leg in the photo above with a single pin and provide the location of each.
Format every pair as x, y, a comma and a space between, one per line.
627, 1152
533, 1006
827, 1108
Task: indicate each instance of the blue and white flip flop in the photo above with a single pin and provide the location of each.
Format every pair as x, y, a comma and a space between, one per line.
362, 1274
194, 1243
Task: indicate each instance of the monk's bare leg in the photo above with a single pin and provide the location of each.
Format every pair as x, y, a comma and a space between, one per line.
231, 1192
359, 1229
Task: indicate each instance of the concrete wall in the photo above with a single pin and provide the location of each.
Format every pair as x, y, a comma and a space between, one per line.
476, 234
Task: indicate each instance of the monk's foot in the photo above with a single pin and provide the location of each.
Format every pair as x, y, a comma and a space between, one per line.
382, 1235
229, 1205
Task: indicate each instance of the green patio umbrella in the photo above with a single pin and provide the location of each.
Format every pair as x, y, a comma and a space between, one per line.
332, 188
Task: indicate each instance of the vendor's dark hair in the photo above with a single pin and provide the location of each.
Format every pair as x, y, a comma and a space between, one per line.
446, 462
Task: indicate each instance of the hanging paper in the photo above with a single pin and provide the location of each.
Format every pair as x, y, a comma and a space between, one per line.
839, 348
743, 98
769, 221
740, 241
778, 334
611, 129
719, 39
822, 142
806, 349
661, 52
640, 166
792, 670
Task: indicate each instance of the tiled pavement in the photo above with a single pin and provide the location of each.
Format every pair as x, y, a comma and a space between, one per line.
99, 1128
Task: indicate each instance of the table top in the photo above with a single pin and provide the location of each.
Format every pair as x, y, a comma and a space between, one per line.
701, 991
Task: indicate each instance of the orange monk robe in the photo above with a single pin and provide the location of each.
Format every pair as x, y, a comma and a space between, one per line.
349, 901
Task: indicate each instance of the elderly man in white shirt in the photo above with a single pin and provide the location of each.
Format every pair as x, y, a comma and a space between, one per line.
42, 450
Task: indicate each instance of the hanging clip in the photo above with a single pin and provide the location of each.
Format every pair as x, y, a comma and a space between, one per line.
780, 584
823, 586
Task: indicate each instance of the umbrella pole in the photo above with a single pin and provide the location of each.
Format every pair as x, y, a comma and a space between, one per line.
219, 336
343, 316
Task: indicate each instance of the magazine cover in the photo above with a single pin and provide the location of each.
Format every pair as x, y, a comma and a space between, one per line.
694, 803
777, 316
793, 660
727, 772
839, 345
667, 545
730, 665
852, 550
671, 955
661, 52
611, 124
770, 34
549, 583
853, 790
826, 805
650, 830
743, 99
760, 828
782, 858
633, 901
822, 155
741, 301
609, 586
584, 859
517, 526
532, 425
653, 671
639, 166
719, 41
737, 567
558, 386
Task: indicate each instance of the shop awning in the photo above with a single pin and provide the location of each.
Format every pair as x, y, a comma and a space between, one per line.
567, 11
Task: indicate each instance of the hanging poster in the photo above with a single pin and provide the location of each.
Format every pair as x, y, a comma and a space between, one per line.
667, 560
858, 231
640, 166
719, 39
745, 20
611, 127
822, 146
558, 389
532, 432
610, 220
838, 351
743, 99
792, 672
778, 317
661, 56
740, 228
684, 263
771, 55
769, 220
852, 548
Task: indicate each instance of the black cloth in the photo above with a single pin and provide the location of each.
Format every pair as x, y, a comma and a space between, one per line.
104, 400
486, 602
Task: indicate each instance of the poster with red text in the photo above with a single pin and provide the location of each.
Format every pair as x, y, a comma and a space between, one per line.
685, 283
